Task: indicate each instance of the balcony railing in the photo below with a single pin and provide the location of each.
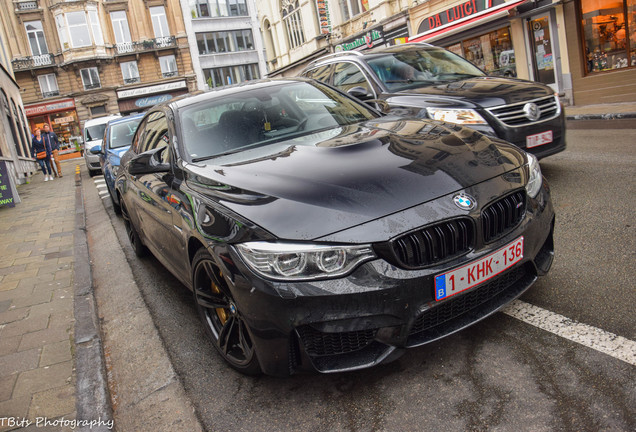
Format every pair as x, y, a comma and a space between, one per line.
92, 86
33, 62
165, 42
132, 80
151, 44
22, 5
50, 94
170, 74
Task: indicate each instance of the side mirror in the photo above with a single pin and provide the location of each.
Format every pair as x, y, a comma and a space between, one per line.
96, 149
380, 105
359, 93
148, 163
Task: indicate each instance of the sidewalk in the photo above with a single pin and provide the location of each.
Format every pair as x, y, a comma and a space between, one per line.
40, 241
616, 111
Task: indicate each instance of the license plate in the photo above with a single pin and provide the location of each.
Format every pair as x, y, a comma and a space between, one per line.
539, 139
476, 272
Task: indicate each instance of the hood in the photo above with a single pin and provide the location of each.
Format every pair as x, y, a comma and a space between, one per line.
308, 187
485, 92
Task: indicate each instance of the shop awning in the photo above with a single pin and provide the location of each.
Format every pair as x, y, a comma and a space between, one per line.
466, 23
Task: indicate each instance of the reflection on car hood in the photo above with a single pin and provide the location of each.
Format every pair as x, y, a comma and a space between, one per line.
483, 91
319, 184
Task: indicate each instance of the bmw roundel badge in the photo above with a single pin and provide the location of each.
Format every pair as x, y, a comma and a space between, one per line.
464, 201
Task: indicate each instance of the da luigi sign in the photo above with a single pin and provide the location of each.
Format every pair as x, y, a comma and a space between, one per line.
8, 194
465, 10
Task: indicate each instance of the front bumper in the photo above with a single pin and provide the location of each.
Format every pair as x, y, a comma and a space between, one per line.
373, 314
92, 161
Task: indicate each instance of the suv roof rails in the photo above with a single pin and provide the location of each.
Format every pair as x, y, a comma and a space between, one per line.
341, 53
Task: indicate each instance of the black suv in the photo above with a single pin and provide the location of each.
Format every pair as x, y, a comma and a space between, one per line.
430, 82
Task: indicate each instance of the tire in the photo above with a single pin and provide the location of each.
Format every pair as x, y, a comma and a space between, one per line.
133, 236
221, 317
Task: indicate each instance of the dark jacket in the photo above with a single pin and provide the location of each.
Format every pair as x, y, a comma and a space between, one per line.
38, 146
52, 139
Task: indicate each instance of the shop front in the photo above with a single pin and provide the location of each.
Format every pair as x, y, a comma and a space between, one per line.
511, 38
61, 116
139, 99
602, 34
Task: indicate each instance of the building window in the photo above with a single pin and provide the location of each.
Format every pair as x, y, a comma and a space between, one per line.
96, 30
168, 66
609, 34
60, 25
130, 72
120, 27
202, 9
98, 110
159, 21
227, 41
218, 8
491, 52
21, 149
35, 35
48, 85
293, 22
90, 78
351, 8
223, 76
78, 29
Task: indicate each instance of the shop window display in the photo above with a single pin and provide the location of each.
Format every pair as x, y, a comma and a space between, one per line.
609, 32
491, 52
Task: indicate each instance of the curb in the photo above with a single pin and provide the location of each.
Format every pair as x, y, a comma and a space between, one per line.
609, 116
92, 398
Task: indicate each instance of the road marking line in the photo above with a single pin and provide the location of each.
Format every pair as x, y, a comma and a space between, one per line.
99, 181
600, 340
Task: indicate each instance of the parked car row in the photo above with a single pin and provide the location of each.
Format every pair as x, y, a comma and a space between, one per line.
328, 226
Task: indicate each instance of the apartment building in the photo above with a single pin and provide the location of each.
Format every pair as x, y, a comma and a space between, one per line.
80, 59
225, 41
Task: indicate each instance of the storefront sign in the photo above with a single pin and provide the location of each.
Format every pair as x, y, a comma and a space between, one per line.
48, 108
467, 9
369, 40
64, 120
152, 100
6, 187
160, 88
324, 21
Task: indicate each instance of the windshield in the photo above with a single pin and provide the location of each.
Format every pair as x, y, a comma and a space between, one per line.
265, 115
96, 132
409, 69
121, 134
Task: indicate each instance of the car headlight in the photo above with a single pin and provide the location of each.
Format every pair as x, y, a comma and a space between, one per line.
534, 182
459, 116
297, 261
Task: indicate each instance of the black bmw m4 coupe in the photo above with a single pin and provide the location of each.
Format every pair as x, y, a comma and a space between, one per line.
318, 234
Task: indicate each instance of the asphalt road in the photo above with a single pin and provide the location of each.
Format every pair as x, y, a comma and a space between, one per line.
501, 374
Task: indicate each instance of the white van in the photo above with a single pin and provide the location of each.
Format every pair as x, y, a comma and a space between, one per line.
93, 134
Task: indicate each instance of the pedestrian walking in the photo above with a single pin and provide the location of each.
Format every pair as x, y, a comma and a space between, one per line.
42, 152
53, 142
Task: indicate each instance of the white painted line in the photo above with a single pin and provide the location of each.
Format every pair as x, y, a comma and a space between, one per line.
103, 192
600, 340
99, 181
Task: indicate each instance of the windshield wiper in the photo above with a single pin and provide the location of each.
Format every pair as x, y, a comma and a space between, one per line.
407, 81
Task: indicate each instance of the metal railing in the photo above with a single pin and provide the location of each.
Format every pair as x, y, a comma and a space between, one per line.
33, 62
50, 94
150, 44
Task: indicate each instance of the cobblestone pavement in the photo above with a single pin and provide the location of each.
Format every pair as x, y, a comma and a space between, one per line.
36, 303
